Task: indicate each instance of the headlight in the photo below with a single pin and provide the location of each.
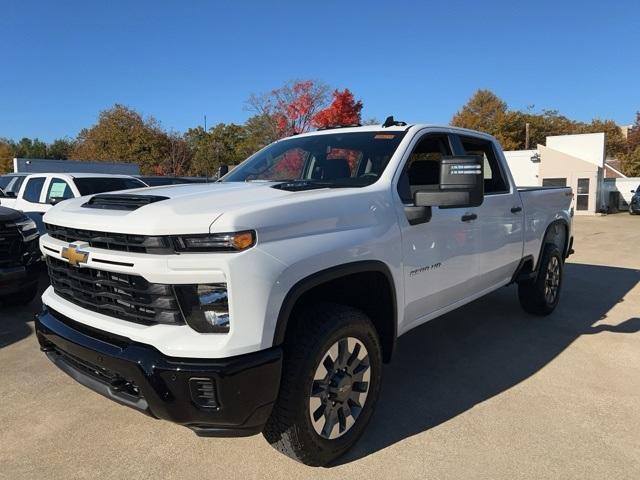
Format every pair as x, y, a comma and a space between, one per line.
205, 307
28, 228
216, 242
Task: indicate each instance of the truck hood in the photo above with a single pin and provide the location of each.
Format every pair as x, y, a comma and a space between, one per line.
9, 214
187, 209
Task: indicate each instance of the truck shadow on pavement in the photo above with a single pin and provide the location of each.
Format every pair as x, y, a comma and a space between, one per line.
16, 323
447, 366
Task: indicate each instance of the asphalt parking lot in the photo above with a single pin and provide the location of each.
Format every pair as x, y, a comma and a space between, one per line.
483, 392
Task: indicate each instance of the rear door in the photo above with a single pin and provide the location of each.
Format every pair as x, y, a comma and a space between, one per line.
498, 226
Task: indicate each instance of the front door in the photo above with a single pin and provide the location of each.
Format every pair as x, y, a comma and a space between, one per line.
31, 200
439, 265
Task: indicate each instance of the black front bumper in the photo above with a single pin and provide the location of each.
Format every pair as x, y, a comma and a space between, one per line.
15, 279
139, 376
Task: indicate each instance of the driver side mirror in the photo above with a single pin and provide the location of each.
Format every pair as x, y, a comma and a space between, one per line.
461, 184
55, 200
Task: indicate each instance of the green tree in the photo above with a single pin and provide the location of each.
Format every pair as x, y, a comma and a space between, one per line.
486, 112
27, 148
631, 163
178, 157
258, 134
482, 112
547, 123
223, 144
122, 134
60, 148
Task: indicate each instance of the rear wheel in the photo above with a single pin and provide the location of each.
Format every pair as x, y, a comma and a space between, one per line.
330, 384
540, 295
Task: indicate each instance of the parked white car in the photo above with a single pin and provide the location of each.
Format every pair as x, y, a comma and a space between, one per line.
37, 193
269, 301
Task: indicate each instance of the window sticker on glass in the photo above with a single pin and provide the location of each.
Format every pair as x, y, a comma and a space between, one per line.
57, 190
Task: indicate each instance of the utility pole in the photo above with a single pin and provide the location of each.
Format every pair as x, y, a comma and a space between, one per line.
526, 136
205, 123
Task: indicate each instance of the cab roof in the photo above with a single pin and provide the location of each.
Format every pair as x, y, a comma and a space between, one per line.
394, 128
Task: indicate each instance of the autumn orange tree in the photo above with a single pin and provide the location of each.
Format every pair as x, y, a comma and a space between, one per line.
344, 110
291, 108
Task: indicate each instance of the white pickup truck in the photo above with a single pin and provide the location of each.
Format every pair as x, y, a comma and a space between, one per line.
34, 194
267, 302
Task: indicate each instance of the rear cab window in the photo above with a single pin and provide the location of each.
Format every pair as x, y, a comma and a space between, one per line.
494, 178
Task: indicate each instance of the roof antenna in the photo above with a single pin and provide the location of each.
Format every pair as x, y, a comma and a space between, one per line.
390, 122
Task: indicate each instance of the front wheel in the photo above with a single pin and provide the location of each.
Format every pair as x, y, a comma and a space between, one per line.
541, 295
330, 384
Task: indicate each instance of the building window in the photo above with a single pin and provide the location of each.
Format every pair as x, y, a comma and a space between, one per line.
582, 197
554, 182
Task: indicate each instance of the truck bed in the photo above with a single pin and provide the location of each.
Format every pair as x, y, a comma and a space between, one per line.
541, 207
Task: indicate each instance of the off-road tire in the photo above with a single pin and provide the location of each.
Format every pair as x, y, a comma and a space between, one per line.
289, 429
533, 294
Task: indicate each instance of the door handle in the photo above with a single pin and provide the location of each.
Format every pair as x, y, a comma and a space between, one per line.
468, 217
516, 209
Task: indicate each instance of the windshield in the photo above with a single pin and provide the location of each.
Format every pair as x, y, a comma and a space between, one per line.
91, 185
328, 160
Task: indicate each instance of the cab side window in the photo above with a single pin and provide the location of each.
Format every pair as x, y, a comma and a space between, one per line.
422, 171
58, 189
33, 189
494, 181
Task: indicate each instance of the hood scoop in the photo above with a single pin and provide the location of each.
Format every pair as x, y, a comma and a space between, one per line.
122, 202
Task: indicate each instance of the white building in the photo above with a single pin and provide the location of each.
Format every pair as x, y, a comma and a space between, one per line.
576, 161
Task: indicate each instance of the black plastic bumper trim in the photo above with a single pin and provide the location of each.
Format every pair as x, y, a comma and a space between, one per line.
247, 385
97, 386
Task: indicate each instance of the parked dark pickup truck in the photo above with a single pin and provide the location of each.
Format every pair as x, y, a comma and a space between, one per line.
19, 255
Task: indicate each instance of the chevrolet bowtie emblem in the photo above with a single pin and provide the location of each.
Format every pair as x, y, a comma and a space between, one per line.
74, 256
